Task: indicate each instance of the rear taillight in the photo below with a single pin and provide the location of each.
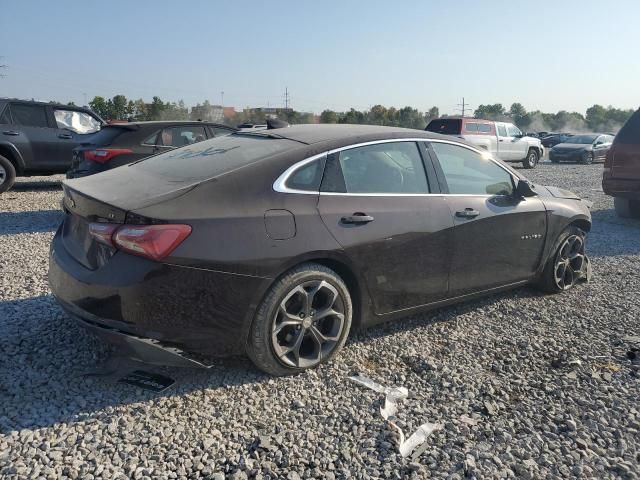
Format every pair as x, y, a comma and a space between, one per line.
103, 155
151, 241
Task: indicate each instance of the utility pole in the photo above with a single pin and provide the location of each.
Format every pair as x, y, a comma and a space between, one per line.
464, 106
286, 98
1, 67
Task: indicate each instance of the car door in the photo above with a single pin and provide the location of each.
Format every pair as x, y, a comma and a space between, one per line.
498, 238
32, 135
73, 128
519, 146
391, 221
505, 150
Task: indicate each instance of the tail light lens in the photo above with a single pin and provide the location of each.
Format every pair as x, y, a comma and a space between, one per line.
151, 241
103, 155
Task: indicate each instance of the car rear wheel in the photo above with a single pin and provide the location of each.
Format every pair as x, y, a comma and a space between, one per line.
531, 160
302, 322
568, 264
7, 174
627, 208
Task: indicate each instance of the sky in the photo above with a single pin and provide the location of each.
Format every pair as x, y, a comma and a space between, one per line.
547, 55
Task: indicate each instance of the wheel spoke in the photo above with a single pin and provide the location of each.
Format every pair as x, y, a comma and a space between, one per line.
327, 312
294, 348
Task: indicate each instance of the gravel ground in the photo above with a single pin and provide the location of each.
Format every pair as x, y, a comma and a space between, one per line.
526, 385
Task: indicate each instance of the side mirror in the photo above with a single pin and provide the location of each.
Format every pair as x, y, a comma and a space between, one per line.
598, 143
524, 189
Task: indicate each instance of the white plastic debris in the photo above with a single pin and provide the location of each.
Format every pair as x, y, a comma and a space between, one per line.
416, 444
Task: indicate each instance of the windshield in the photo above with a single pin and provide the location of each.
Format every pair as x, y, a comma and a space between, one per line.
582, 139
210, 158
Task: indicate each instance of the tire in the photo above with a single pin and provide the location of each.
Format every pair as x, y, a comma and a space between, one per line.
282, 322
549, 279
7, 174
531, 159
626, 208
586, 158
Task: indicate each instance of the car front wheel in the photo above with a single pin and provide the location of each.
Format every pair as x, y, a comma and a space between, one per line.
568, 264
532, 159
302, 322
7, 174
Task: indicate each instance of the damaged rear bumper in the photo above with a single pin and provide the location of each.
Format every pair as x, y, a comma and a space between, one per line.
146, 350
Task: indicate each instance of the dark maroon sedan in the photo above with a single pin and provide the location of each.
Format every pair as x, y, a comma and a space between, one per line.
277, 243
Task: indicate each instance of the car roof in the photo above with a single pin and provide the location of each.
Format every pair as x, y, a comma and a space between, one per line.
164, 123
311, 134
38, 102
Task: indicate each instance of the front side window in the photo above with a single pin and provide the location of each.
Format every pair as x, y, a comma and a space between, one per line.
394, 167
513, 131
469, 173
181, 136
502, 131
29, 115
79, 122
152, 139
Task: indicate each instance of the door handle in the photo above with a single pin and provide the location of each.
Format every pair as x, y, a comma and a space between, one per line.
467, 213
12, 133
67, 136
501, 140
357, 218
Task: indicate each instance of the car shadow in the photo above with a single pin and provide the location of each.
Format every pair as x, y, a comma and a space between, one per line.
612, 236
50, 370
46, 185
35, 221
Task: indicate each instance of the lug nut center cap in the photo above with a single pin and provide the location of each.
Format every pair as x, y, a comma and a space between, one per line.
306, 323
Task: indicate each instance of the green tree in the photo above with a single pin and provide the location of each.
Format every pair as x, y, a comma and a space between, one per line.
119, 107
155, 109
490, 112
519, 115
99, 105
328, 116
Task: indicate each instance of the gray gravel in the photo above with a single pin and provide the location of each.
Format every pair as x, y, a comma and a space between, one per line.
526, 385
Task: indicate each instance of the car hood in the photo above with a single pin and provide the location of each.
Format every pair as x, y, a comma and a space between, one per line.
556, 192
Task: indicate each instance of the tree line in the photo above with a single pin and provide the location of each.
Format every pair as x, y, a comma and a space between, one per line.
597, 117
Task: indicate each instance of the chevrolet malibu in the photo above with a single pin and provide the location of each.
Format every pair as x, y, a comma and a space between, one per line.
278, 243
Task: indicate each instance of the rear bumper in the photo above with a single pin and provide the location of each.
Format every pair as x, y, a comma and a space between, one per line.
623, 188
153, 308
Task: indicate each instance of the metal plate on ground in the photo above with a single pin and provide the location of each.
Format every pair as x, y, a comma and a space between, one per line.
147, 380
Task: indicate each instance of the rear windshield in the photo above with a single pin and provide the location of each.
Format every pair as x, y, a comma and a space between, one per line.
446, 126
629, 134
106, 135
581, 139
212, 157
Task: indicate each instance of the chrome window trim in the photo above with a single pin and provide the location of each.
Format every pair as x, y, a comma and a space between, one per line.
280, 184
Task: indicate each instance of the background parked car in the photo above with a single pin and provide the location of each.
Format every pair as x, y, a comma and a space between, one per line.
122, 143
555, 138
503, 140
621, 175
37, 138
582, 148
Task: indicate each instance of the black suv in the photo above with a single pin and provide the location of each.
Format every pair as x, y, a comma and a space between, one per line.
118, 144
37, 138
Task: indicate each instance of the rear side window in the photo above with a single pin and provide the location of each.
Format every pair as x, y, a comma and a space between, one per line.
79, 122
307, 177
445, 126
213, 157
29, 115
484, 128
471, 127
181, 136
217, 132
629, 134
394, 167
